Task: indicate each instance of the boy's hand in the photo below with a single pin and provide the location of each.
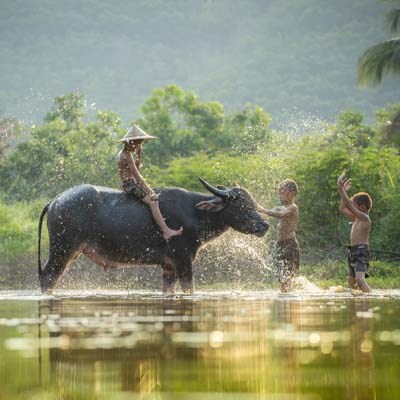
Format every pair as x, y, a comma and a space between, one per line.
261, 210
344, 182
154, 196
340, 181
347, 185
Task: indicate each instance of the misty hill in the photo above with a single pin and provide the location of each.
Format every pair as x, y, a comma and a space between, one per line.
280, 54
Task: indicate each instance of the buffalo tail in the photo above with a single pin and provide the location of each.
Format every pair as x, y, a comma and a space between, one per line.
42, 214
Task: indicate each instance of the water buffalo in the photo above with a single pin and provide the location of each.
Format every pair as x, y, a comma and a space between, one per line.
114, 230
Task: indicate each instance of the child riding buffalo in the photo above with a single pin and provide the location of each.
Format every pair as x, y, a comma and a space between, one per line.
133, 183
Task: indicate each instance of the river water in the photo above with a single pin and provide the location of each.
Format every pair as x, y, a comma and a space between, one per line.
216, 345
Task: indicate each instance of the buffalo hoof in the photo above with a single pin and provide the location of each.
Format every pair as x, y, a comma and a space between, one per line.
169, 292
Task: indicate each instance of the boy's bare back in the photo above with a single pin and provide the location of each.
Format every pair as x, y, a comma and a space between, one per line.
126, 166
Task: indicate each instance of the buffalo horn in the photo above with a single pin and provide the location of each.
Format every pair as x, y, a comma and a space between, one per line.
222, 193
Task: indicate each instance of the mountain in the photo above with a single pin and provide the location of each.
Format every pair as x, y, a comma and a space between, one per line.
291, 57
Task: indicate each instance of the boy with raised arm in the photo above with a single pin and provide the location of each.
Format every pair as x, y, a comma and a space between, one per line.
134, 184
357, 209
286, 248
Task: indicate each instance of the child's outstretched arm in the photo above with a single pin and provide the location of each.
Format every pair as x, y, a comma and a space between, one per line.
261, 209
277, 212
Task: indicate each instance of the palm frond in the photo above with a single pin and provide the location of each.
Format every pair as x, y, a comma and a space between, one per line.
393, 19
379, 61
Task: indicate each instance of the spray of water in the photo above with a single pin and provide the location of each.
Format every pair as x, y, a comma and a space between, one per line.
297, 123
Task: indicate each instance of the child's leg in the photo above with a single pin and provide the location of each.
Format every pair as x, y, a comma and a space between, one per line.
168, 233
361, 282
281, 270
290, 263
352, 282
285, 287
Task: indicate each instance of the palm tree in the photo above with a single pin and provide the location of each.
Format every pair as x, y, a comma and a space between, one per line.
383, 58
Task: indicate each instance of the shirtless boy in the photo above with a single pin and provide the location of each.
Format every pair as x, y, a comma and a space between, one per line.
286, 249
132, 181
357, 209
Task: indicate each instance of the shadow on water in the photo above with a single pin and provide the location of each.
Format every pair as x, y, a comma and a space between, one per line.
247, 345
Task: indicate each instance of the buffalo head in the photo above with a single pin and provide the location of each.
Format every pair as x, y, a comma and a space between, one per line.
236, 207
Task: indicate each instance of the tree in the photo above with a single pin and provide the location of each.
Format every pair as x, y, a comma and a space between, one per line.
67, 150
388, 120
183, 125
62, 152
69, 108
383, 58
350, 131
246, 130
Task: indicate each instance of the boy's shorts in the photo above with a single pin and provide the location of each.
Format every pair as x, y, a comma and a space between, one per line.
133, 189
358, 257
286, 258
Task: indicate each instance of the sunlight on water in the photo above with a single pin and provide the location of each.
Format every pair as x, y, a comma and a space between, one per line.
227, 344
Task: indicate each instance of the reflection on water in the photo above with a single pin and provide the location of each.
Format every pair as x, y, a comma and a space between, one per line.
201, 347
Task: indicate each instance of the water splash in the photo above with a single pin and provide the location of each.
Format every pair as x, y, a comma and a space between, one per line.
297, 123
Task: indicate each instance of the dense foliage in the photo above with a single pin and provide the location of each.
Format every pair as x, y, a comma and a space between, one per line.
279, 54
200, 139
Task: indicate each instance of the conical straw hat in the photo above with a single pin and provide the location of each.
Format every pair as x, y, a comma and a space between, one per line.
135, 133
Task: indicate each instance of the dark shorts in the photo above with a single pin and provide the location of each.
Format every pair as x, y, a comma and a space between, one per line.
133, 189
286, 259
358, 258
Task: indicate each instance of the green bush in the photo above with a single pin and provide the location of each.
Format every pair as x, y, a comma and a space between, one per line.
18, 231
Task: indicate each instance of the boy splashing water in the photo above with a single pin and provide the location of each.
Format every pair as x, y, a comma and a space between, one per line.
286, 248
357, 209
134, 184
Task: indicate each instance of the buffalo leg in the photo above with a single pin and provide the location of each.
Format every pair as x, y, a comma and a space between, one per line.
58, 260
185, 276
169, 279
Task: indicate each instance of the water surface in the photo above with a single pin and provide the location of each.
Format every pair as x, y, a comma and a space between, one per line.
220, 345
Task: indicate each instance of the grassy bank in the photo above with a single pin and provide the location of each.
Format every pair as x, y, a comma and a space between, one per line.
383, 275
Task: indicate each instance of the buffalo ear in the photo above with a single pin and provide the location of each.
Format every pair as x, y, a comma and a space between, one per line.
213, 205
